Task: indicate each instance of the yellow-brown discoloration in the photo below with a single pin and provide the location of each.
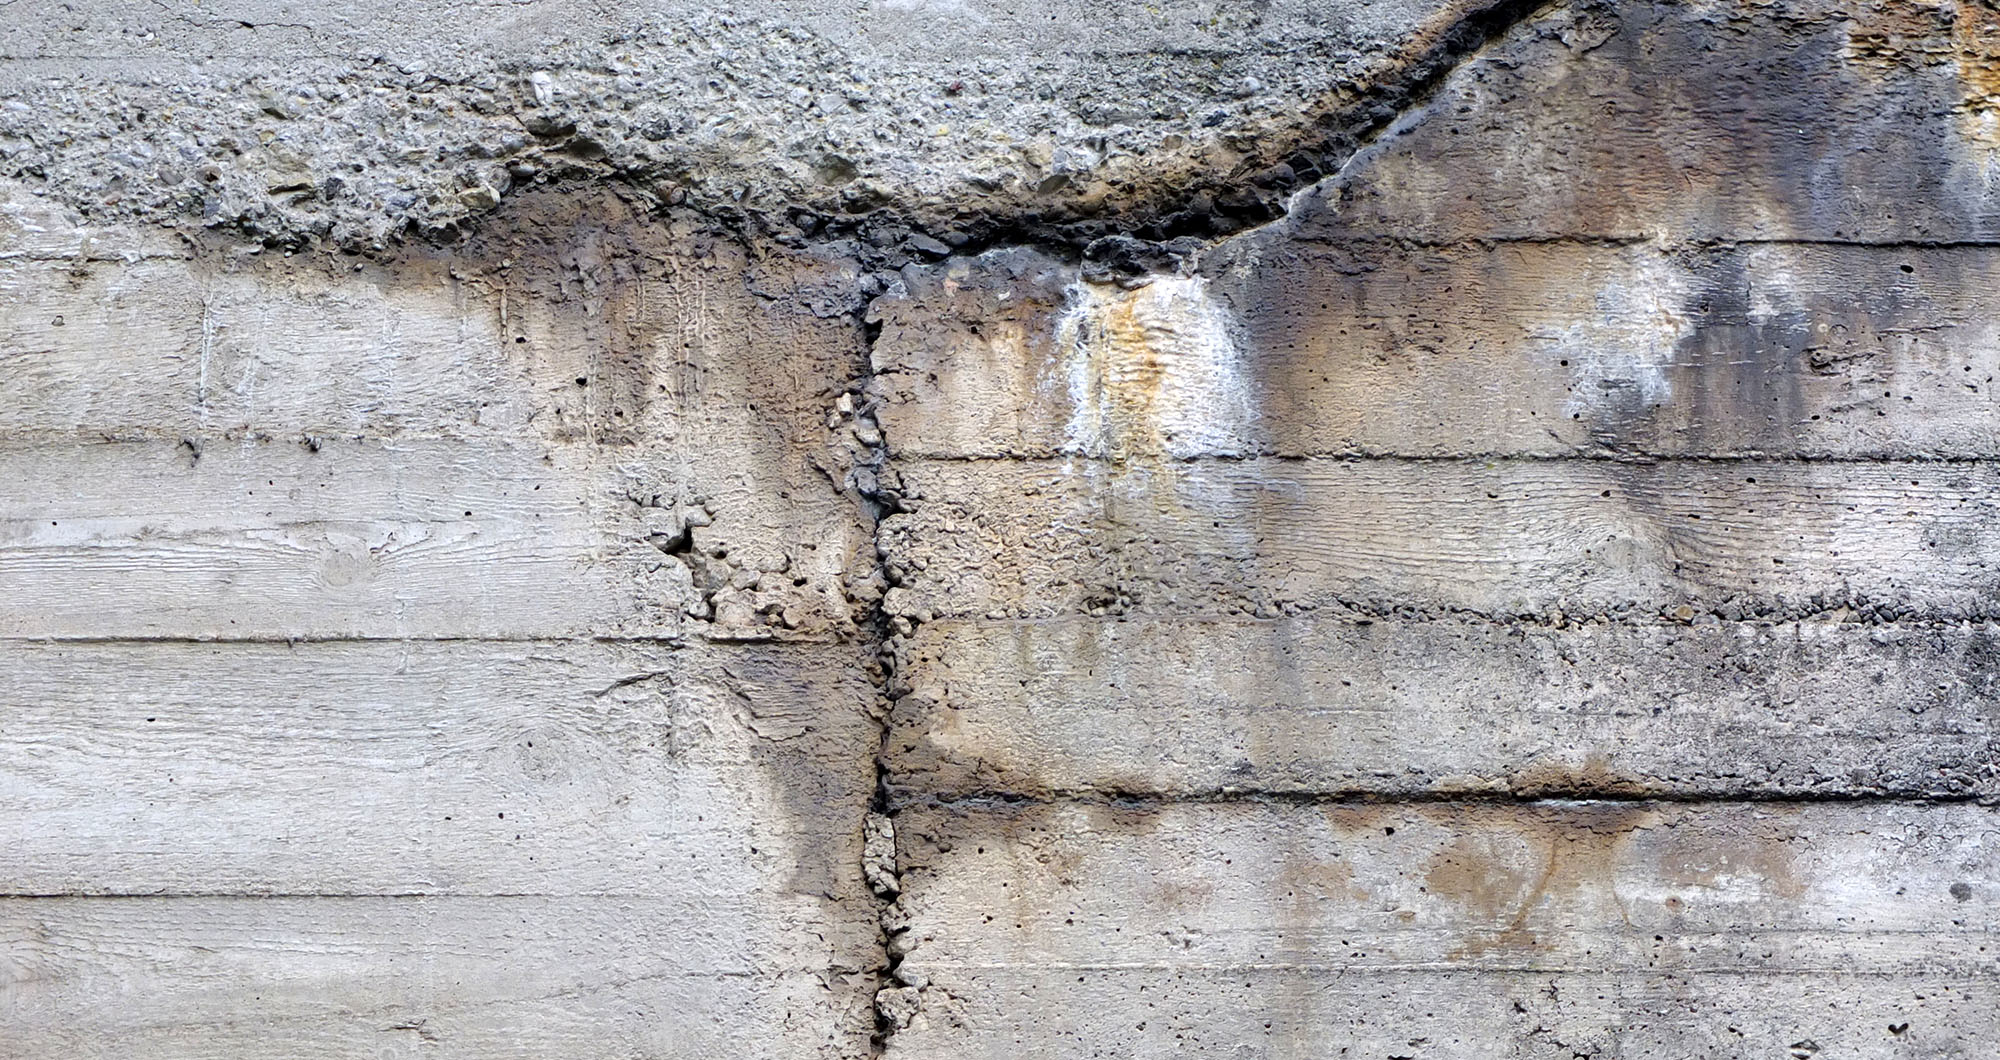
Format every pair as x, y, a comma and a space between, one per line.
1153, 372
1594, 776
1566, 858
1762, 859
1976, 45
1484, 879
1964, 34
1131, 361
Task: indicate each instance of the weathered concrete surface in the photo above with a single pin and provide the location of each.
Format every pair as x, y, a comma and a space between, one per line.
1871, 123
370, 657
1373, 346
1616, 425
1561, 930
441, 767
1523, 538
1406, 706
577, 424
490, 849
991, 529
290, 121
524, 975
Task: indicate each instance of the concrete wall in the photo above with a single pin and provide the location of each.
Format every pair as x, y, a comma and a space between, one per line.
998, 530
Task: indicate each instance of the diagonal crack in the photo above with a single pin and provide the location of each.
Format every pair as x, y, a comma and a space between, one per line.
1131, 237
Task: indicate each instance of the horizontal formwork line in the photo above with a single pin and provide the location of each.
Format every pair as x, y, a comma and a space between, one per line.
1331, 616
83, 261
251, 433
1357, 614
1632, 239
1645, 616
1596, 455
122, 896
1633, 614
334, 442
1592, 456
1474, 967
1364, 239
693, 640
1553, 799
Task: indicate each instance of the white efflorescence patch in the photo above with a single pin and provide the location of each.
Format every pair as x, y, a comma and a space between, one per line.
1156, 371
1619, 357
1770, 284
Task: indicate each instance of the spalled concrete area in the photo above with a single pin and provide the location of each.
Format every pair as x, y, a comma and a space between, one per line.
979, 530
358, 123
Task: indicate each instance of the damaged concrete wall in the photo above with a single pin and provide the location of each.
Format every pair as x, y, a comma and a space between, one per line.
993, 530
367, 694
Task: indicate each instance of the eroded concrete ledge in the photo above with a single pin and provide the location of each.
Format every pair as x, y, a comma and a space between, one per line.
920, 126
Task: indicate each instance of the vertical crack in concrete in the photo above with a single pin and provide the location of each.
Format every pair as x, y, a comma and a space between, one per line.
1132, 262
874, 480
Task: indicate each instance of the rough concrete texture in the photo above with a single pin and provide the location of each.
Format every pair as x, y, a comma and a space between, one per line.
936, 528
290, 122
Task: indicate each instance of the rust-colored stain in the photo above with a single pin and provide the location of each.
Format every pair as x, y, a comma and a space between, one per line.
1311, 879
1153, 373
1132, 368
1519, 872
1763, 857
1965, 34
1472, 873
1172, 893
1976, 43
1577, 854
1117, 385
1595, 776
